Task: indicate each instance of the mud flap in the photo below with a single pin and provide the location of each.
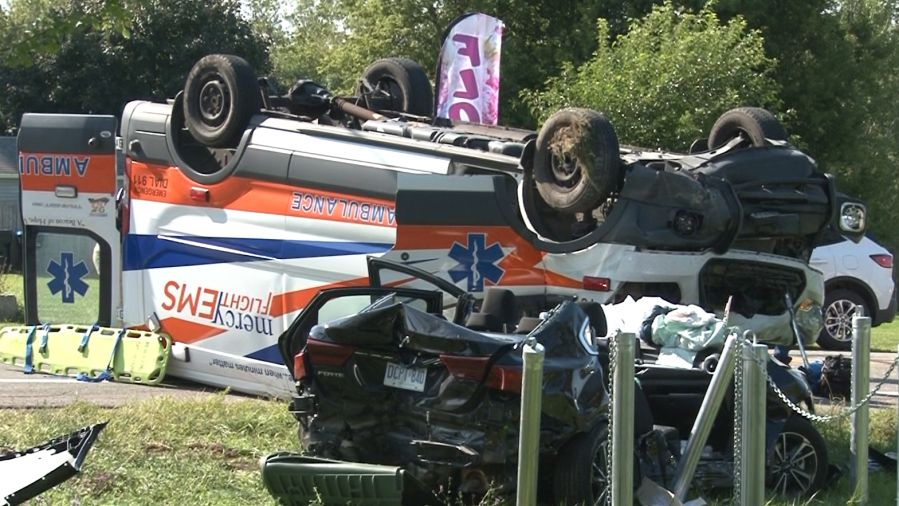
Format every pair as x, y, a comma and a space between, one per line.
31, 472
295, 479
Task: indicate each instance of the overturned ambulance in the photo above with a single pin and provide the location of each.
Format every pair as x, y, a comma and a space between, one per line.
232, 206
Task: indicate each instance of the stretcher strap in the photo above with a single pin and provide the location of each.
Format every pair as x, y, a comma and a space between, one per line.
43, 348
29, 368
107, 374
86, 338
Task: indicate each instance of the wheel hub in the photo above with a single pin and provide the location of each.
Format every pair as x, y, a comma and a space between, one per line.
565, 170
387, 96
838, 319
794, 464
213, 101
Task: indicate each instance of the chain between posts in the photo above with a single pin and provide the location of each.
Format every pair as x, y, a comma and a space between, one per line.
818, 418
613, 359
738, 420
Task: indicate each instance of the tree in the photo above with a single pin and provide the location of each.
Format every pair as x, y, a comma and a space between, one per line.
665, 81
95, 71
332, 41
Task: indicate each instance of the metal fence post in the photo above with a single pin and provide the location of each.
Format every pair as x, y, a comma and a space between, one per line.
858, 442
897, 453
622, 479
724, 372
529, 431
752, 474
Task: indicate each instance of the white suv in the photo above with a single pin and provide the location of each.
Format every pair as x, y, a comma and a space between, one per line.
855, 275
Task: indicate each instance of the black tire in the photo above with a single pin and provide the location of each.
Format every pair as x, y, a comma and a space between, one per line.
839, 307
754, 122
220, 97
397, 84
580, 476
576, 162
798, 463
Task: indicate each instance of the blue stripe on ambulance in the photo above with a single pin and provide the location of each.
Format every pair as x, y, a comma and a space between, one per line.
268, 354
156, 252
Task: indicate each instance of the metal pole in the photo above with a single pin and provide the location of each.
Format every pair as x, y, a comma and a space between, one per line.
529, 431
861, 373
897, 453
721, 378
622, 479
796, 332
752, 474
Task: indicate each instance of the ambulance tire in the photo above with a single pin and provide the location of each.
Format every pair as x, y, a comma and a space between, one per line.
755, 123
397, 84
220, 97
577, 164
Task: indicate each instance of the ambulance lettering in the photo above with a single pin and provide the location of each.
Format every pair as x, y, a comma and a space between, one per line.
348, 209
223, 309
53, 165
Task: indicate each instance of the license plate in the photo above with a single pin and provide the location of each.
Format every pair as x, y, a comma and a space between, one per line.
407, 378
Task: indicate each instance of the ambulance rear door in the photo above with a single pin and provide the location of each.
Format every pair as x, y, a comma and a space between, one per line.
68, 178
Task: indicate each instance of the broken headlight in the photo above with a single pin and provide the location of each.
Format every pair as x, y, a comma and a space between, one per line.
853, 217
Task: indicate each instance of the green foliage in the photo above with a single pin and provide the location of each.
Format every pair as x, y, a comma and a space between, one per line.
96, 69
665, 82
334, 40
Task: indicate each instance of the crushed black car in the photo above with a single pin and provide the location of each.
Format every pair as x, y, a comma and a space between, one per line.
390, 377
398, 384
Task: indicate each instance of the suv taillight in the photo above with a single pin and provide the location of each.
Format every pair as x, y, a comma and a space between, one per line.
334, 355
885, 261
506, 378
299, 366
470, 368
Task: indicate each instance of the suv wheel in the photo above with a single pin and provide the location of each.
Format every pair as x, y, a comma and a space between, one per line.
839, 308
576, 162
754, 123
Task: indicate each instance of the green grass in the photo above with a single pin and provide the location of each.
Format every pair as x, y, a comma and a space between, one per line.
83, 311
885, 337
163, 451
206, 452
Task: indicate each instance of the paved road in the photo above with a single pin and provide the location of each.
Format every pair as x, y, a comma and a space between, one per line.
18, 390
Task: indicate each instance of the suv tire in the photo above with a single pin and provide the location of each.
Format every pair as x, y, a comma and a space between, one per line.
576, 163
839, 306
756, 123
397, 84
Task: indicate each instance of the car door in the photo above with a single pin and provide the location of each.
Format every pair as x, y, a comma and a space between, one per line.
457, 303
335, 303
68, 176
